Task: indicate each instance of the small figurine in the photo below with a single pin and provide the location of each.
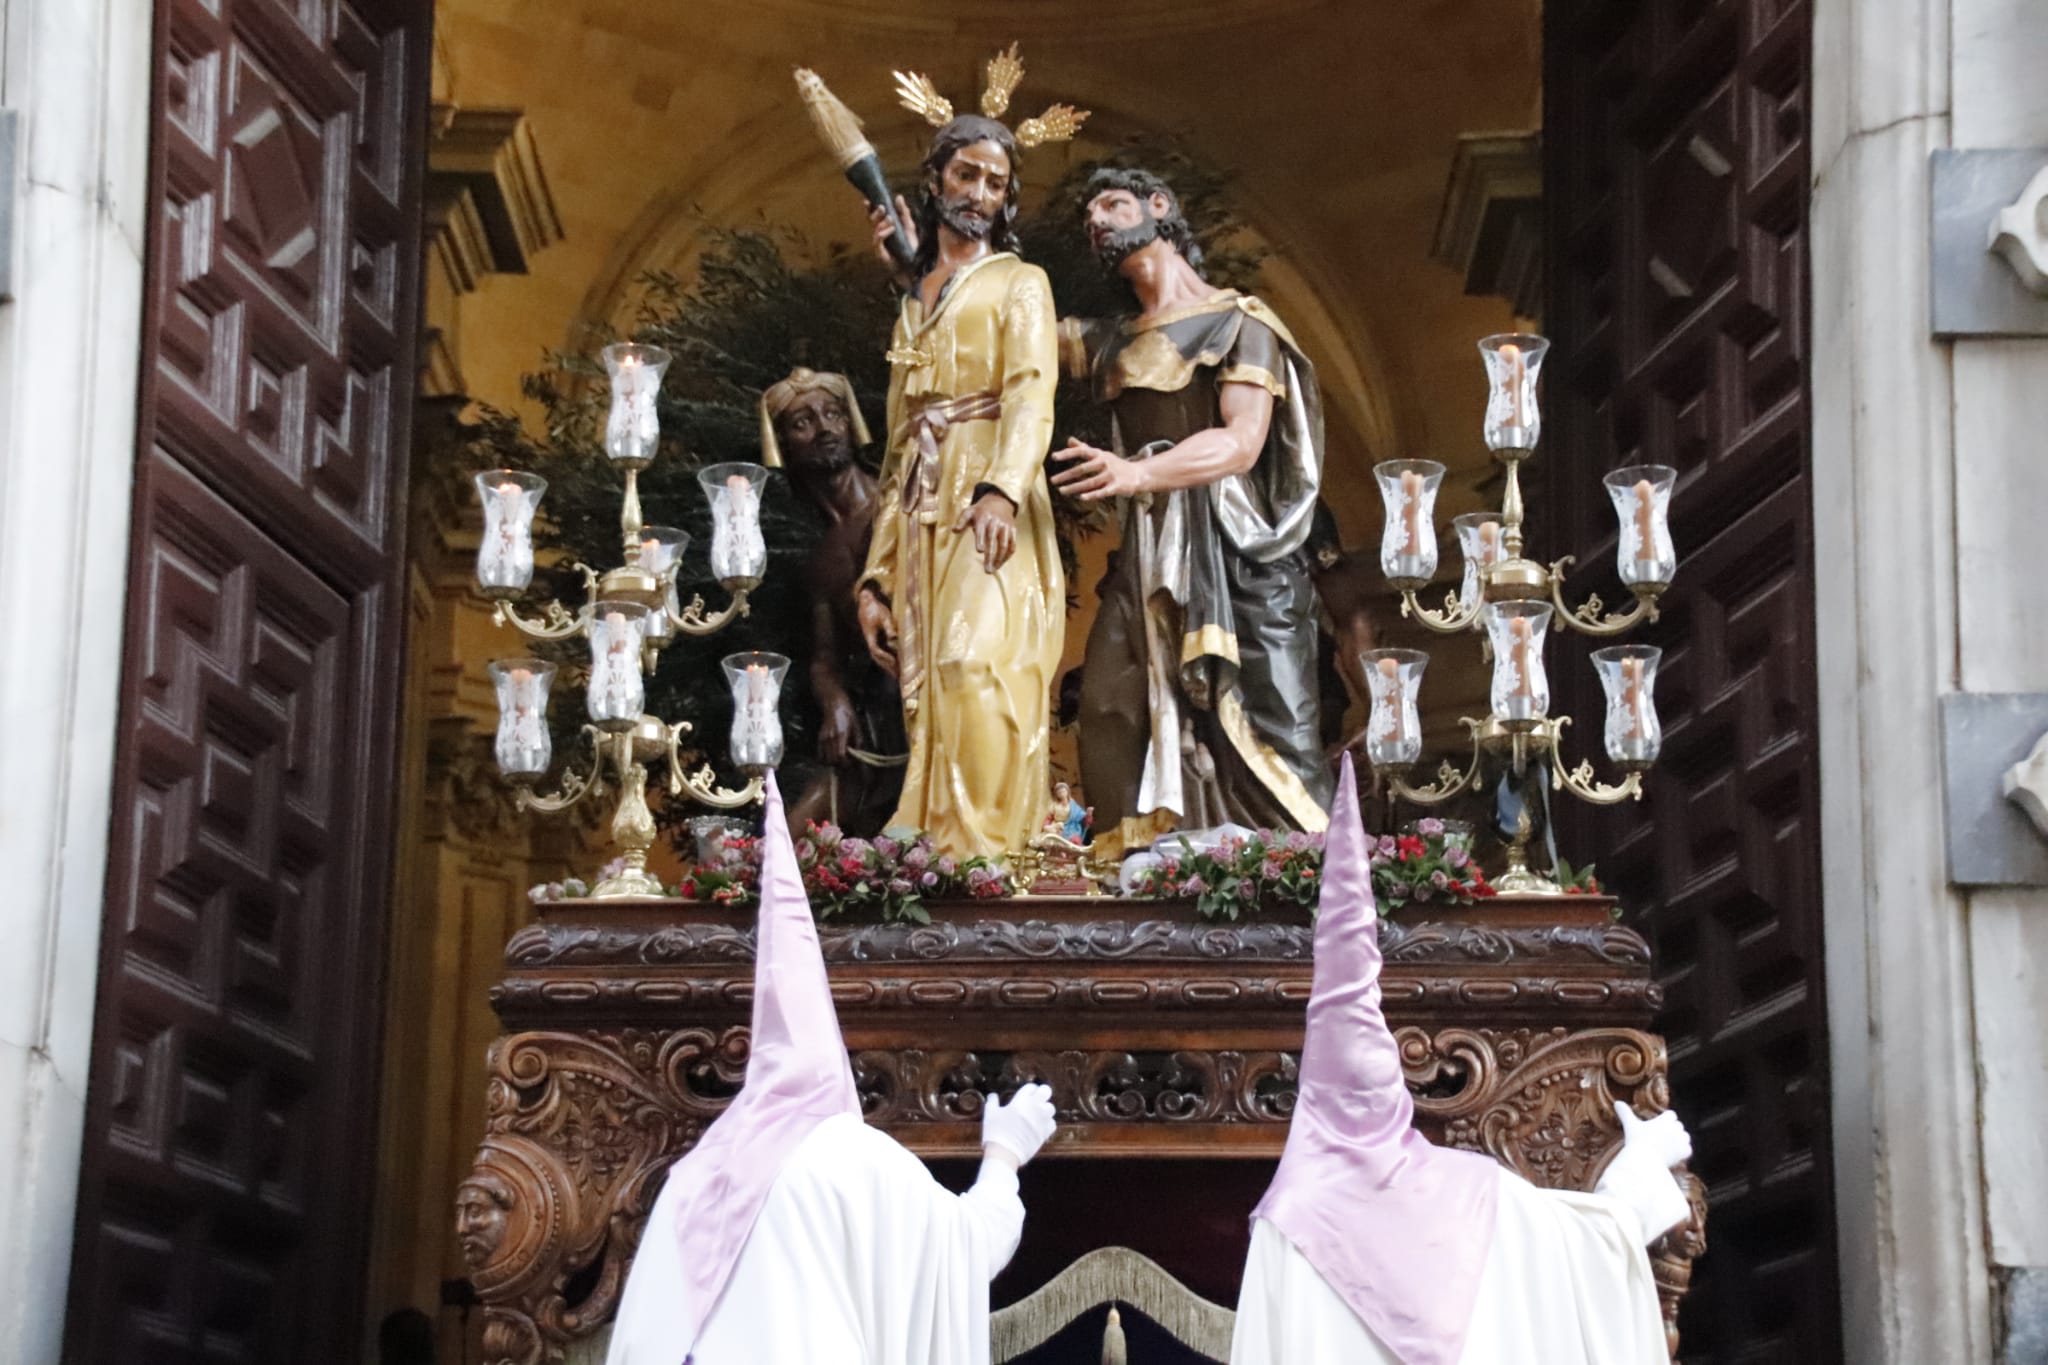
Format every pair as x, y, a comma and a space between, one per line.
1068, 818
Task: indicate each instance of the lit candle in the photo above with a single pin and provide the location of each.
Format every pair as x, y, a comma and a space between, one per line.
504, 558
738, 551
1632, 697
1390, 674
1518, 629
1511, 356
1646, 530
1411, 512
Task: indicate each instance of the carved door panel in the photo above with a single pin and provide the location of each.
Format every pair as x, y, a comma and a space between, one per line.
222, 1202
1676, 189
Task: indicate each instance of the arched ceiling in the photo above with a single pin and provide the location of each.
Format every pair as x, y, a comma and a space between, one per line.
1336, 119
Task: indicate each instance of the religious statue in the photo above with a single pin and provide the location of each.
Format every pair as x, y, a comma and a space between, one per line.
1068, 818
1199, 691
811, 423
963, 597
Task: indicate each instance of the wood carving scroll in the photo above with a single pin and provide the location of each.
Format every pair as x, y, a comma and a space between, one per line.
579, 1130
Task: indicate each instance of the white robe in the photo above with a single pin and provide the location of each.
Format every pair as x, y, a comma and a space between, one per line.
859, 1257
1567, 1282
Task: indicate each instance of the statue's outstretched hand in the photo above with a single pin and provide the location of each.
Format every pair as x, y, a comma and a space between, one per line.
878, 628
1018, 1129
1093, 474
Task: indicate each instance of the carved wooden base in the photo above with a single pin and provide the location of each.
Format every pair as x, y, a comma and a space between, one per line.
1161, 1036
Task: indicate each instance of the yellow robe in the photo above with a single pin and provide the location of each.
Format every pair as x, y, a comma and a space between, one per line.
978, 650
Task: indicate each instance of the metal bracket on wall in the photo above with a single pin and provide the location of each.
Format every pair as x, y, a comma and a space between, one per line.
1978, 289
1991, 841
10, 201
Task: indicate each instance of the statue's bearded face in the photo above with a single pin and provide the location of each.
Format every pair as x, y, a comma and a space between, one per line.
816, 433
1120, 223
973, 188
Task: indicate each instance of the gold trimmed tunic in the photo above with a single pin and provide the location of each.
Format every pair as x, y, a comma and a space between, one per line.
970, 408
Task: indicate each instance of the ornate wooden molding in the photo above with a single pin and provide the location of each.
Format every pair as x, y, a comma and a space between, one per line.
582, 1126
1162, 1036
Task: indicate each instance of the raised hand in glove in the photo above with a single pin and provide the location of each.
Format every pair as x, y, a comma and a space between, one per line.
1018, 1129
1663, 1137
1640, 1174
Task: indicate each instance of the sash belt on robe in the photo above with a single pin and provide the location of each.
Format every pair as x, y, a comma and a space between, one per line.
924, 432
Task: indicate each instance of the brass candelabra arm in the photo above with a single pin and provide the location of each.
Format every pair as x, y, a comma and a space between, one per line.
557, 621
693, 621
702, 786
575, 787
1587, 619
1449, 781
1451, 620
1580, 781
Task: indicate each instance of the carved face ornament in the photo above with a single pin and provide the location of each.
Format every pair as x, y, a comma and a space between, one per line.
483, 1205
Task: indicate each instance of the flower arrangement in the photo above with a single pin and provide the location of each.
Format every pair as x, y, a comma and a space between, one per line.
886, 878
1430, 865
1272, 869
1242, 875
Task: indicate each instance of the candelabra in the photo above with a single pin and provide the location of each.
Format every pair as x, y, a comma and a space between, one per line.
628, 615
1514, 600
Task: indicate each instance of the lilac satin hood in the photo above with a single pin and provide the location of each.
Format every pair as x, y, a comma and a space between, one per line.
797, 1075
1397, 1226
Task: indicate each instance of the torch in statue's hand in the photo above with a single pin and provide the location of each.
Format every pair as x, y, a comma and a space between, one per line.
840, 131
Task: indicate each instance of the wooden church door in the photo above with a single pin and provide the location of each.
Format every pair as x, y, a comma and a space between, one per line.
1676, 187
223, 1202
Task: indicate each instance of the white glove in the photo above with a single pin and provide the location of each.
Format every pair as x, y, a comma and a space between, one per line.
1663, 1137
1640, 1174
1021, 1127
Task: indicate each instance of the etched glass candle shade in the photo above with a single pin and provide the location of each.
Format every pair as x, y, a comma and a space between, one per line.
1642, 506
1408, 542
1521, 689
661, 547
756, 681
1513, 421
1628, 675
1479, 537
504, 558
739, 555
616, 695
632, 428
522, 745
1393, 731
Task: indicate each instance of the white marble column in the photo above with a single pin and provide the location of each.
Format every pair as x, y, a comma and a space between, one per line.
1999, 72
1928, 495
1903, 1061
77, 72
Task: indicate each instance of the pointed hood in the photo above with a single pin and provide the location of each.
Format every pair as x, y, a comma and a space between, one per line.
1398, 1226
797, 1075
